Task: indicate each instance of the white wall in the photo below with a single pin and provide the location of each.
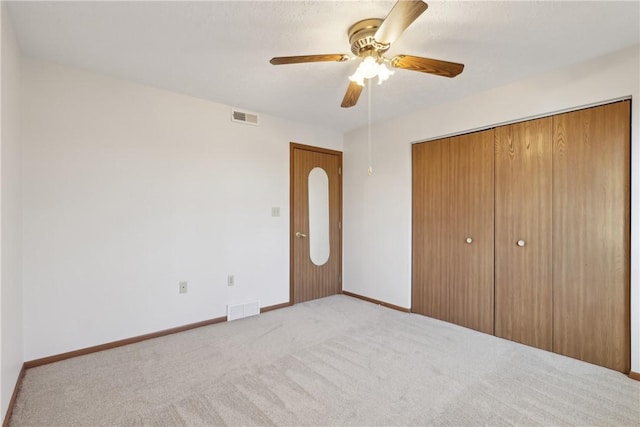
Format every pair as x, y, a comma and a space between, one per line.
10, 215
377, 209
129, 190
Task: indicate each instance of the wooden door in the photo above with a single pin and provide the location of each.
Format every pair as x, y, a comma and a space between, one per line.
471, 301
523, 209
432, 251
591, 235
311, 277
453, 202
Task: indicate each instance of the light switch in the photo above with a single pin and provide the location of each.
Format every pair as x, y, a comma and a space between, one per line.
275, 211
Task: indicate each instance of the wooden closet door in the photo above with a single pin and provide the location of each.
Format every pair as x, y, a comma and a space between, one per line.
591, 235
471, 192
523, 212
432, 225
453, 201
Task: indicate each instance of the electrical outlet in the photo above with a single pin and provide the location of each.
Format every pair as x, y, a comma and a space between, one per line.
230, 280
275, 211
183, 287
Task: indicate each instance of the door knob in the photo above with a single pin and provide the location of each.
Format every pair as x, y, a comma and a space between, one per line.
521, 243
468, 240
299, 234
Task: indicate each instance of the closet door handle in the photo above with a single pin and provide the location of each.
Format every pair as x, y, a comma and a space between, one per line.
521, 243
469, 240
299, 234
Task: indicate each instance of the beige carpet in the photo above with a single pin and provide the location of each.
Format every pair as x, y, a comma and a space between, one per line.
334, 361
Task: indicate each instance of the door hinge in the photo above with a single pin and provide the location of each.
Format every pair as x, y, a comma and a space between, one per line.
339, 171
339, 279
340, 225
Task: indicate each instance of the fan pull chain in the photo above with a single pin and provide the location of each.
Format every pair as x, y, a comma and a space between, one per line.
370, 170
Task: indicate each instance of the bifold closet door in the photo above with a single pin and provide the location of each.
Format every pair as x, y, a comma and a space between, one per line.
523, 210
591, 235
453, 230
432, 229
471, 296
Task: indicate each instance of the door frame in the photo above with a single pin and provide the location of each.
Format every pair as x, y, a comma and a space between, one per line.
293, 146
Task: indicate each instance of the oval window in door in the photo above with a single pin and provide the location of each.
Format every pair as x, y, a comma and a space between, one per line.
318, 216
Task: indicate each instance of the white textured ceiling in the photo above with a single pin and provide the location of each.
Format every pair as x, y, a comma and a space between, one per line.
220, 50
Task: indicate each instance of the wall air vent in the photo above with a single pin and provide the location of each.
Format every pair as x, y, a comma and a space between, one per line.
244, 117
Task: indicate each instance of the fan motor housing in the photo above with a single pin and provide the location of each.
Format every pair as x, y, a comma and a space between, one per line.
361, 37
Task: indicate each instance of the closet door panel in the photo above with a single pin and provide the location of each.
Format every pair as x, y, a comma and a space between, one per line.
471, 291
432, 225
523, 210
591, 235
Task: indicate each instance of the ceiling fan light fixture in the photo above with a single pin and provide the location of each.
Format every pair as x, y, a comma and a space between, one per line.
383, 73
370, 39
370, 68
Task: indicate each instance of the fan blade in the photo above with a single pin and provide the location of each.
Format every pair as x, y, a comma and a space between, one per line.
351, 97
427, 65
403, 13
280, 60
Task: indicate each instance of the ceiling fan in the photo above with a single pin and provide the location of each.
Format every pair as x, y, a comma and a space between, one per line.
370, 39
